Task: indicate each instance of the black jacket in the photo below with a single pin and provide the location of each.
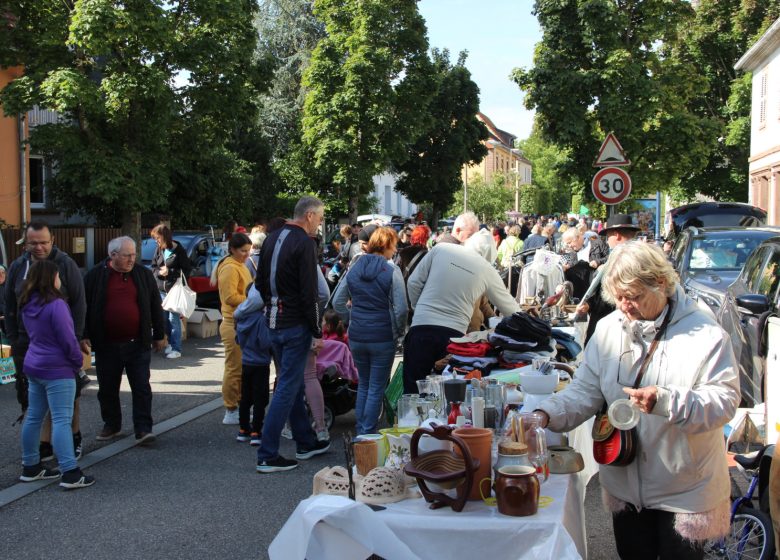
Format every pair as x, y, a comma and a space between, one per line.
72, 291
296, 281
177, 264
149, 303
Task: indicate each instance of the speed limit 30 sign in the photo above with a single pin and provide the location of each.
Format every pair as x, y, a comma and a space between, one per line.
611, 185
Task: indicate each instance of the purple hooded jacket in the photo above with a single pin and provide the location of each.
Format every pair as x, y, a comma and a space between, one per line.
54, 352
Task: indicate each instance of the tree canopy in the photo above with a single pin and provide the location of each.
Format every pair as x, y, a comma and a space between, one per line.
451, 137
155, 96
367, 90
606, 66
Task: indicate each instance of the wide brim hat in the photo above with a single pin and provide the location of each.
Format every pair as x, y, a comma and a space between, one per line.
619, 221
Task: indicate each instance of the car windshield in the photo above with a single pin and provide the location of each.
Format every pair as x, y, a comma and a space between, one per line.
148, 245
723, 253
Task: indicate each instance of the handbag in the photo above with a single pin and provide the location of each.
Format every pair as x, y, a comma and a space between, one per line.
7, 368
180, 299
614, 447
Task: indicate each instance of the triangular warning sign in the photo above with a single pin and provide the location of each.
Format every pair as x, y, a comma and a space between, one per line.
611, 153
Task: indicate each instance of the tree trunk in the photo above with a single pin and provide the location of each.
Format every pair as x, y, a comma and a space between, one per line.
131, 226
434, 223
352, 208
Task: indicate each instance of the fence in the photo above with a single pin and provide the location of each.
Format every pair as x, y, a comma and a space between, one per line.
86, 245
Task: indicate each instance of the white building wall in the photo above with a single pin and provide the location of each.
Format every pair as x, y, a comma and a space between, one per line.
388, 200
765, 112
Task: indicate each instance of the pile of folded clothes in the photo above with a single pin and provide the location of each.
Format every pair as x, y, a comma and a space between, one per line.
472, 356
521, 338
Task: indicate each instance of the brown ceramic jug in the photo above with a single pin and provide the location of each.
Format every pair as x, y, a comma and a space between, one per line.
517, 490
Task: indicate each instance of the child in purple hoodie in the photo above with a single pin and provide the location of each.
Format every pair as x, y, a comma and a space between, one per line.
51, 365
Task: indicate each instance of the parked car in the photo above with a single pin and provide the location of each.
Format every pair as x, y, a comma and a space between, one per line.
712, 214
708, 260
750, 301
197, 244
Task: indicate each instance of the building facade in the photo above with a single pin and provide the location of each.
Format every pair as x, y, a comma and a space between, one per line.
23, 174
763, 60
502, 158
388, 200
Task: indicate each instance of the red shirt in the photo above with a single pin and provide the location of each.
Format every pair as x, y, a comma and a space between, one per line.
122, 318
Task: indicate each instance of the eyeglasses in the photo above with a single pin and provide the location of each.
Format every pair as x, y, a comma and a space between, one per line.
126, 255
38, 243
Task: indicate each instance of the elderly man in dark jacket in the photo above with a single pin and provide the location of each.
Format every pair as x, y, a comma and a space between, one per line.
124, 320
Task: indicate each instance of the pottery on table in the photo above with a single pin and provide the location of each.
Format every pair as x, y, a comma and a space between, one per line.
381, 442
480, 442
517, 490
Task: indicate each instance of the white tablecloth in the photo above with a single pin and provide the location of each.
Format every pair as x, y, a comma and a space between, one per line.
335, 528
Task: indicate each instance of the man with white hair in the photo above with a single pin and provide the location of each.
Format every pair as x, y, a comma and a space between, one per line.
443, 290
124, 322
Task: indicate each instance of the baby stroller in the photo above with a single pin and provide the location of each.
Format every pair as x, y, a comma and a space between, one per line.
338, 378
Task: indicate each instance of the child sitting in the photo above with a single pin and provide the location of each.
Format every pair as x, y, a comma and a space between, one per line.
254, 339
333, 327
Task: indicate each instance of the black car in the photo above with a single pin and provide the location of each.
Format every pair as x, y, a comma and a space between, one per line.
708, 260
197, 244
712, 214
748, 304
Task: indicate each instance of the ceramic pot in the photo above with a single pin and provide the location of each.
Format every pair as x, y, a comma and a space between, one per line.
517, 491
479, 441
382, 447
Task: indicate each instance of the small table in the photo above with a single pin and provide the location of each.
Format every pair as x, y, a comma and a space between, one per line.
332, 527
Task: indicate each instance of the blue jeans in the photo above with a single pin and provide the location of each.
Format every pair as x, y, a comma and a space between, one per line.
373, 360
56, 395
290, 347
172, 327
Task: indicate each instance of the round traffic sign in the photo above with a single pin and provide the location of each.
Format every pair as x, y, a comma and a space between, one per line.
611, 185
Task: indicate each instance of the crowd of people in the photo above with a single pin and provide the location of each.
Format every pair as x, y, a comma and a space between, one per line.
384, 289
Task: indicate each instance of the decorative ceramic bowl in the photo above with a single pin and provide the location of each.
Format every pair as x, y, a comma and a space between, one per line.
539, 384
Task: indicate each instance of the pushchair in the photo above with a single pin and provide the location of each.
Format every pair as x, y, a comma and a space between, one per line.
338, 378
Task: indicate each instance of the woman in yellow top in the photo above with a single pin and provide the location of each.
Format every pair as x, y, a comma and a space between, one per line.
233, 279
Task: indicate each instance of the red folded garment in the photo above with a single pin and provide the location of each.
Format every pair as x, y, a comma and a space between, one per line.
470, 349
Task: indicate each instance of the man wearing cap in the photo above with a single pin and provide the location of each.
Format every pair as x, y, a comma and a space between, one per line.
620, 228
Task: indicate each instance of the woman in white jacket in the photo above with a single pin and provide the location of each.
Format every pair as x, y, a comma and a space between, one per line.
674, 496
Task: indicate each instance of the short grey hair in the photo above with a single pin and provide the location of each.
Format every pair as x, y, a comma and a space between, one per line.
635, 263
115, 245
306, 204
467, 220
570, 235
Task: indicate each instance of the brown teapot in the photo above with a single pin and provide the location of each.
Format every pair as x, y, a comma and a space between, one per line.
517, 490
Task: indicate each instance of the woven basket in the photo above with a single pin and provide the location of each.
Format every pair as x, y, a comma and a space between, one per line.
333, 481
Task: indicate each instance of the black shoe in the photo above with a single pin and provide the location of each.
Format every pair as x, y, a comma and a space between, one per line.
77, 450
276, 465
144, 438
46, 451
76, 479
38, 472
319, 448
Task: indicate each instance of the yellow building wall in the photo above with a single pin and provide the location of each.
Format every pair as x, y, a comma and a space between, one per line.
10, 207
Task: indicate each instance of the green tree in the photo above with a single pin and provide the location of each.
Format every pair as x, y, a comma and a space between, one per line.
549, 175
368, 86
606, 66
452, 136
154, 95
722, 31
488, 200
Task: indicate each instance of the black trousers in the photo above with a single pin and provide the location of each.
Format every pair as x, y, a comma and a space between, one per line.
650, 535
424, 345
134, 360
254, 392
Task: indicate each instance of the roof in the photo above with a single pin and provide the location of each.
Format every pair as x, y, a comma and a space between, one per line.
502, 137
766, 45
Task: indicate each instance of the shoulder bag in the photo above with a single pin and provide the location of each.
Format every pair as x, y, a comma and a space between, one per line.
612, 446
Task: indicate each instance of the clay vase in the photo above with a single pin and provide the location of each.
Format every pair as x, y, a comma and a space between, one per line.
517, 490
479, 441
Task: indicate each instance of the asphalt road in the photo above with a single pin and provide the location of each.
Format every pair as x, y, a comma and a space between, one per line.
193, 494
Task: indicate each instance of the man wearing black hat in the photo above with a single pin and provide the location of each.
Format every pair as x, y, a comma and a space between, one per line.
620, 229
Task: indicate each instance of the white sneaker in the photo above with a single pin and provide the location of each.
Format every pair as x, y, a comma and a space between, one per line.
323, 436
168, 349
231, 417
173, 354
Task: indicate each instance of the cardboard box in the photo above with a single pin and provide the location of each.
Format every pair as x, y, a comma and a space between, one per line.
203, 323
88, 360
184, 328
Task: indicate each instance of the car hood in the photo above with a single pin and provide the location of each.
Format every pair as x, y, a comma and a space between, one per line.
713, 280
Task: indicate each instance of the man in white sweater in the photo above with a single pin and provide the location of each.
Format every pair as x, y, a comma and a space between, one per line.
443, 290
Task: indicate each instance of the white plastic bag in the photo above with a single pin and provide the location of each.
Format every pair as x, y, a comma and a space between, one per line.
180, 299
